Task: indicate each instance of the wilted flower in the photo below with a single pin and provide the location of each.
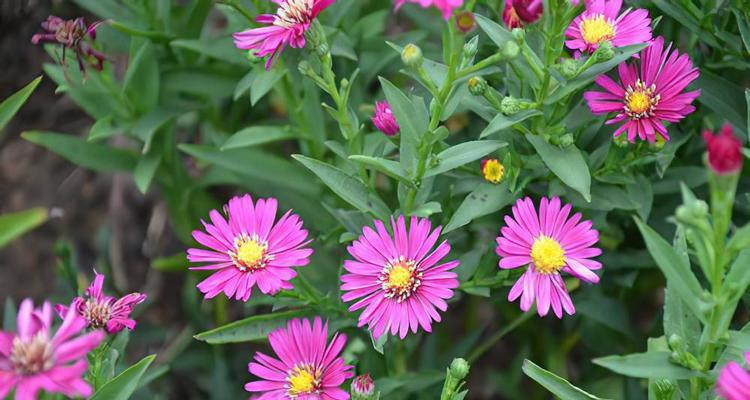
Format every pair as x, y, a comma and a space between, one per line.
398, 283
651, 95
724, 151
734, 381
101, 311
285, 28
445, 6
250, 249
384, 120
492, 170
465, 21
363, 386
549, 243
518, 13
602, 22
71, 34
308, 366
33, 359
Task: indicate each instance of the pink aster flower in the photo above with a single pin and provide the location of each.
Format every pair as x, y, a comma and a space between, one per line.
384, 120
33, 359
648, 96
249, 248
549, 243
308, 368
285, 28
734, 381
445, 6
397, 279
101, 311
602, 21
518, 13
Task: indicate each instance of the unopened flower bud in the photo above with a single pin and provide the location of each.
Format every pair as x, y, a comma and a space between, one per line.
459, 368
363, 388
676, 342
412, 56
510, 50
567, 140
658, 143
604, 52
465, 21
664, 389
568, 68
305, 68
510, 105
470, 48
519, 34
724, 151
477, 85
621, 141
692, 213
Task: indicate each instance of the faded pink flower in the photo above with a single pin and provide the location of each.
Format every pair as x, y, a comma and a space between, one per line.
602, 21
734, 381
518, 13
285, 28
397, 279
101, 311
32, 359
72, 35
445, 6
549, 243
384, 120
649, 96
308, 368
249, 248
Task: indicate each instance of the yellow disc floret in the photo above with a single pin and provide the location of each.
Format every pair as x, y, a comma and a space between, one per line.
548, 255
302, 381
250, 253
596, 29
400, 278
493, 171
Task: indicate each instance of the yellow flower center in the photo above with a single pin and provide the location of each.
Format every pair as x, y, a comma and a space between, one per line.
302, 380
596, 29
640, 100
548, 255
400, 278
250, 253
493, 171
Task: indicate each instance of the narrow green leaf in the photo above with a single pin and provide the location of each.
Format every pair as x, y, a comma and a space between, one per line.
502, 121
723, 97
257, 135
655, 364
264, 82
16, 224
680, 321
388, 167
498, 34
485, 199
738, 281
145, 170
244, 84
123, 385
464, 153
9, 315
94, 156
555, 384
102, 129
744, 29
10, 106
222, 49
250, 329
568, 164
409, 117
141, 83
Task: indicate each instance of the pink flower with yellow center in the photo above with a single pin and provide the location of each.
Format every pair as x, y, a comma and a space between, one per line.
647, 96
33, 359
308, 368
734, 381
602, 21
250, 248
549, 243
445, 6
397, 278
285, 28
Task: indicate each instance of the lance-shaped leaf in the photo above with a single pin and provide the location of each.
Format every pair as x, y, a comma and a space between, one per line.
568, 164
464, 153
555, 384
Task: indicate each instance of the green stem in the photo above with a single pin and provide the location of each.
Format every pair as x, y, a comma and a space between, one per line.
238, 8
487, 344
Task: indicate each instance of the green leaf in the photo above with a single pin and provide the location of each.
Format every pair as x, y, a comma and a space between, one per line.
222, 49
485, 199
102, 129
349, 188
257, 135
568, 164
145, 170
744, 29
249, 329
123, 385
555, 384
723, 97
244, 84
264, 82
740, 240
141, 83
498, 34
680, 321
738, 281
464, 153
16, 224
675, 268
10, 106
95, 156
388, 167
410, 118
502, 121
9, 315
655, 364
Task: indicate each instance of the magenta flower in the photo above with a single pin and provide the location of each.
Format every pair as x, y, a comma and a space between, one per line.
72, 35
250, 248
602, 21
308, 368
32, 359
445, 6
724, 151
519, 13
549, 243
285, 28
734, 381
400, 285
651, 95
384, 120
101, 311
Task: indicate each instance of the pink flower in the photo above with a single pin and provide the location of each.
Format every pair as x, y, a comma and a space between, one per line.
249, 249
518, 13
308, 368
384, 120
602, 21
445, 6
101, 311
72, 35
286, 27
549, 243
398, 283
724, 151
651, 95
32, 359
734, 381
363, 385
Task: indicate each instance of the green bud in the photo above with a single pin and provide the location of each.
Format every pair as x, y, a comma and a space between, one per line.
412, 56
305, 68
676, 357
470, 48
605, 52
567, 140
510, 50
658, 144
459, 368
621, 141
519, 34
510, 105
693, 213
664, 389
675, 342
477, 85
568, 68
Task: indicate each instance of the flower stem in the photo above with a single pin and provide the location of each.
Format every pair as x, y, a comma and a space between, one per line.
487, 344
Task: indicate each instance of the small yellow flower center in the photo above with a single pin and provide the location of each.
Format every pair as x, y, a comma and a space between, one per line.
302, 380
548, 255
493, 171
250, 253
400, 278
596, 29
640, 100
